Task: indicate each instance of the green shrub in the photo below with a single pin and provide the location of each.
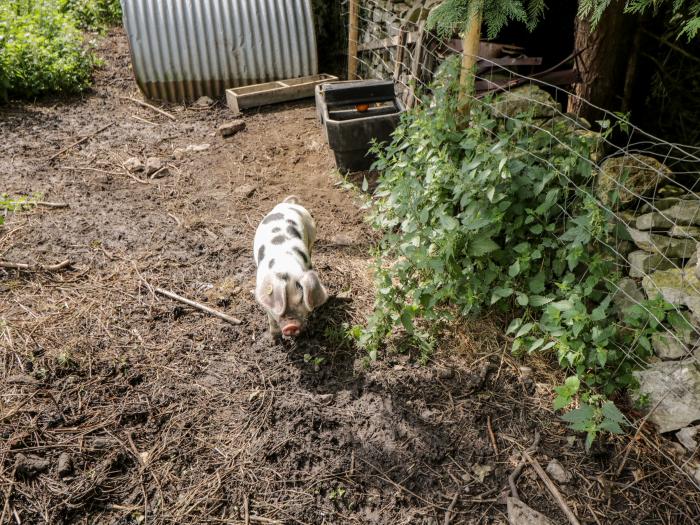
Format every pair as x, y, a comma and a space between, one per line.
94, 14
500, 215
41, 50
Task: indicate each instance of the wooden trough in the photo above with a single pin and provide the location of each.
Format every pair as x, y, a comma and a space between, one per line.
274, 92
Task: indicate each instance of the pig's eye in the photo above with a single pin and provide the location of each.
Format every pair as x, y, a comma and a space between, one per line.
300, 288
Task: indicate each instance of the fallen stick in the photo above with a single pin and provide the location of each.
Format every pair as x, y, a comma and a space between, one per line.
79, 141
53, 204
246, 513
144, 120
197, 305
552, 489
513, 478
149, 106
492, 436
35, 267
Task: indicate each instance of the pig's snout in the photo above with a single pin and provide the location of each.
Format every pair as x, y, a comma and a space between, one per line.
291, 330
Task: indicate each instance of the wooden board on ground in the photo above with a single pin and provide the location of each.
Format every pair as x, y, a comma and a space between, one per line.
274, 92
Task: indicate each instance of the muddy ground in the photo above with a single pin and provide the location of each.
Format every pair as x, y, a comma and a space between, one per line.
120, 406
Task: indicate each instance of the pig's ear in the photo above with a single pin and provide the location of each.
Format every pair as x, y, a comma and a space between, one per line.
314, 292
272, 295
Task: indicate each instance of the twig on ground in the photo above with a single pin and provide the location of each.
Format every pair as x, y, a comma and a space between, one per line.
448, 512
131, 175
149, 106
552, 489
197, 305
53, 204
79, 141
35, 267
85, 168
144, 120
246, 512
513, 478
491, 435
260, 519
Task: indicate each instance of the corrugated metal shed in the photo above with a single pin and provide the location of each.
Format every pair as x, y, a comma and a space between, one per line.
183, 49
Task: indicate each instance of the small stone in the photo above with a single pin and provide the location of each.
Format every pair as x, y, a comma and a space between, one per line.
203, 102
245, 190
557, 471
446, 373
688, 437
668, 346
521, 514
65, 465
673, 391
653, 221
661, 204
526, 371
153, 164
231, 128
133, 164
343, 239
667, 246
685, 232
643, 263
181, 153
29, 467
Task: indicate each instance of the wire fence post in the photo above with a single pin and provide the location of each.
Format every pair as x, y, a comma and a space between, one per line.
353, 33
470, 51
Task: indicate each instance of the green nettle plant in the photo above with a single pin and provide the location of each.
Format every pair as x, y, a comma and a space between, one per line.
500, 215
41, 50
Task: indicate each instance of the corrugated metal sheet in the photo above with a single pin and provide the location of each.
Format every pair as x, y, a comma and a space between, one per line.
183, 49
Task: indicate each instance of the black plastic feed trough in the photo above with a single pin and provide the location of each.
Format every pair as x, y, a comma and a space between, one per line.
354, 113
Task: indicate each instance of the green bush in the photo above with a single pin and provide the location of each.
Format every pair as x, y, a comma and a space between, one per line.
41, 50
94, 14
500, 215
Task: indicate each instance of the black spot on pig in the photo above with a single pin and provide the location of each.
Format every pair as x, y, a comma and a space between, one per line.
302, 255
273, 217
261, 253
291, 230
276, 229
271, 263
279, 239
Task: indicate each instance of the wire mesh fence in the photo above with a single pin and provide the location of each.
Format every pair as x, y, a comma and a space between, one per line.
645, 186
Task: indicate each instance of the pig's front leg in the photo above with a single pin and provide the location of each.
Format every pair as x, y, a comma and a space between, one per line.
275, 331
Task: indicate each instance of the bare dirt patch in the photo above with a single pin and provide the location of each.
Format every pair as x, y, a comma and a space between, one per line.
120, 406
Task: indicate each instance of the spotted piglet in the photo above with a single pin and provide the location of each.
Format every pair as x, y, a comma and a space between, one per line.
287, 288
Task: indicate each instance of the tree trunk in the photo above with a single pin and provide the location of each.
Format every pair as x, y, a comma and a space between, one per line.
603, 62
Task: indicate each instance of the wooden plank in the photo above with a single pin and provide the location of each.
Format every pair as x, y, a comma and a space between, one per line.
274, 92
415, 66
471, 46
353, 35
400, 53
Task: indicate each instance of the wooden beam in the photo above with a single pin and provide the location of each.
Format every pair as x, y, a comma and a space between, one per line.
353, 35
470, 40
400, 53
416, 66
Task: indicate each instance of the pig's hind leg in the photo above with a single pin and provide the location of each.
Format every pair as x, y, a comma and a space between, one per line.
275, 331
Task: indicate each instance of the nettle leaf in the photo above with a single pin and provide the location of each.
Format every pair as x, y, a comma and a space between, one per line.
500, 293
514, 325
521, 299
536, 284
611, 412
514, 268
481, 246
524, 330
580, 418
540, 300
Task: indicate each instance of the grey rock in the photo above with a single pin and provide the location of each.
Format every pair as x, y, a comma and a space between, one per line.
203, 102
627, 295
245, 190
643, 263
686, 213
688, 437
659, 204
153, 164
676, 286
667, 246
685, 232
521, 514
631, 176
133, 164
673, 390
30, 466
653, 221
343, 239
181, 153
231, 128
668, 346
558, 472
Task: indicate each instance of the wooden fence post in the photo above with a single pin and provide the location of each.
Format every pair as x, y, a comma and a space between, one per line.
470, 52
353, 35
